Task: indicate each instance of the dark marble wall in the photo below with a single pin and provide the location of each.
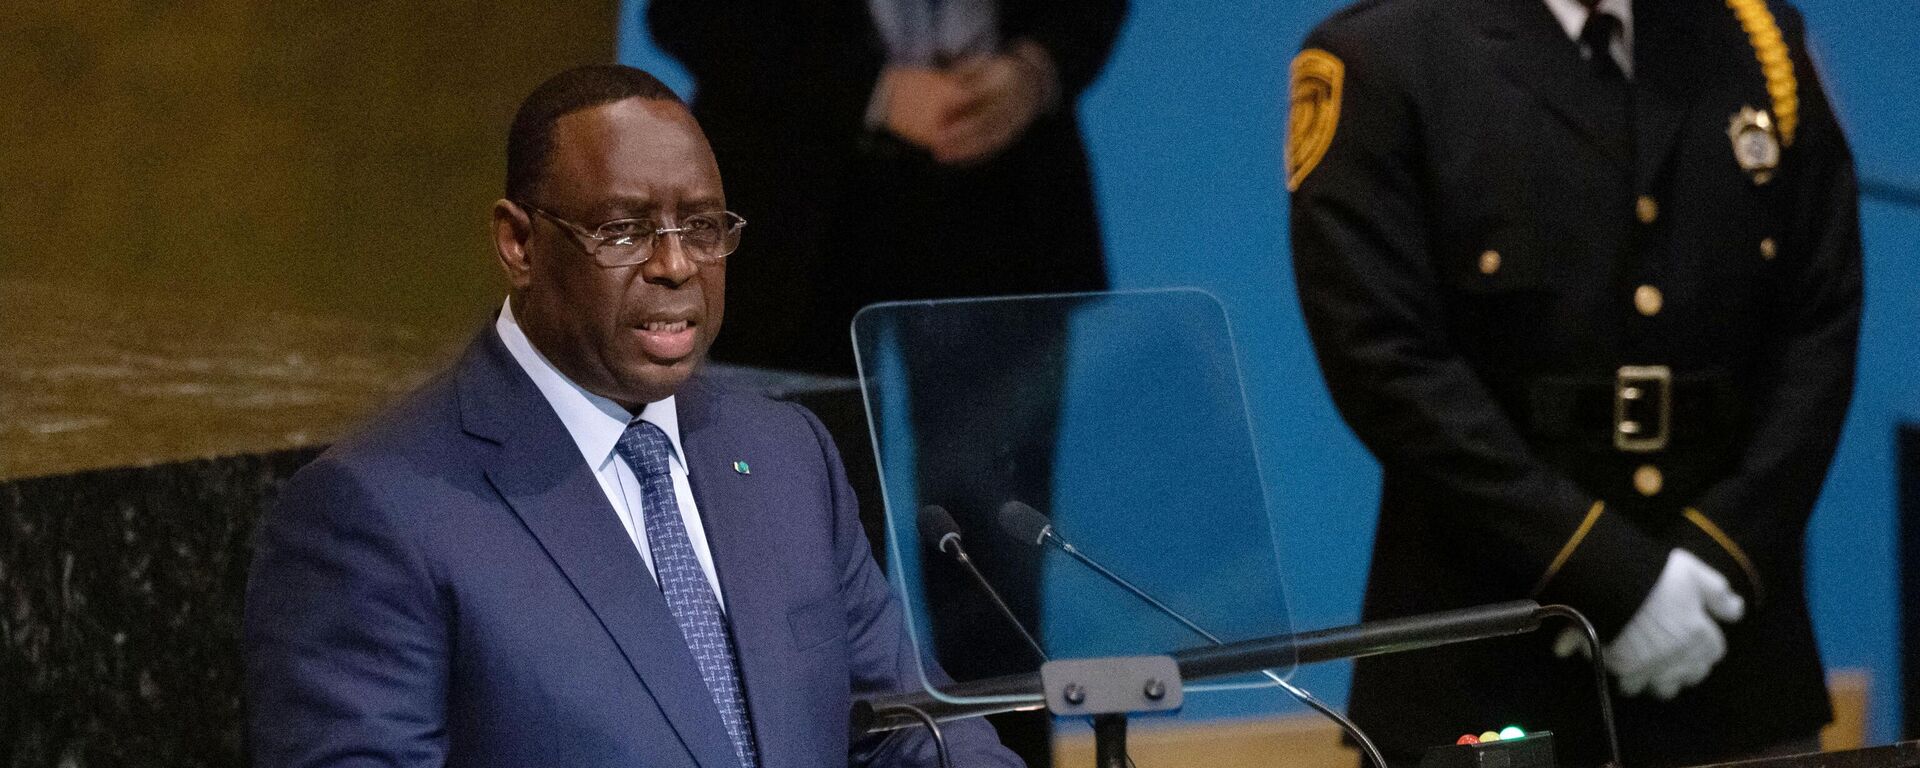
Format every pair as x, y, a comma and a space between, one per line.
120, 597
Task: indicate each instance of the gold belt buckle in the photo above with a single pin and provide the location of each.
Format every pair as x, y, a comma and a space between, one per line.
1642, 407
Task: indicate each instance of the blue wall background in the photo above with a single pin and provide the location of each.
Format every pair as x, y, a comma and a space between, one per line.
1190, 118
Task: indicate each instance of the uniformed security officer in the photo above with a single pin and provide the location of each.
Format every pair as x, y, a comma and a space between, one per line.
1585, 277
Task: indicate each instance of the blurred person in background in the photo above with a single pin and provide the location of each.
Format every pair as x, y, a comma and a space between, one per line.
901, 149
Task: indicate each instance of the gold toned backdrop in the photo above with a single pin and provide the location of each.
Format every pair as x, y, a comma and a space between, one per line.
230, 226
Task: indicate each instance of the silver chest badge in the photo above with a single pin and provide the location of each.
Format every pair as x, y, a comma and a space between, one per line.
1756, 147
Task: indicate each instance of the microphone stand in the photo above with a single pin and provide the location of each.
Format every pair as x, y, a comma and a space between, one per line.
1010, 693
1023, 691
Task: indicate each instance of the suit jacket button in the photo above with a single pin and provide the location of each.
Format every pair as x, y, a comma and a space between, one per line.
1648, 480
1648, 300
1489, 262
1768, 248
1647, 209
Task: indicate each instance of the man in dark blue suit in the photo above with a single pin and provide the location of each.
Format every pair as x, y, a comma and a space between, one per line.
570, 549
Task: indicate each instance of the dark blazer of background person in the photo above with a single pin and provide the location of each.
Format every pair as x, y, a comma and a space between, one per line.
1469, 254
850, 216
452, 586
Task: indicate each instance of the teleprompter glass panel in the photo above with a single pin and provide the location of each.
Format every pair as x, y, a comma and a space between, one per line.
1026, 429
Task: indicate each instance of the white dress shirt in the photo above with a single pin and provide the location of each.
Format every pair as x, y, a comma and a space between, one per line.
596, 424
1572, 15
928, 33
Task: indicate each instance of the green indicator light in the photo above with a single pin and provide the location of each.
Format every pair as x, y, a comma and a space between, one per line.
1512, 732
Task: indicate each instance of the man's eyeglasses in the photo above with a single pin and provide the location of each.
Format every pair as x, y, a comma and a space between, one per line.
705, 237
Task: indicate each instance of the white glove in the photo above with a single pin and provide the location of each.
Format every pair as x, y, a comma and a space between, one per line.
1672, 641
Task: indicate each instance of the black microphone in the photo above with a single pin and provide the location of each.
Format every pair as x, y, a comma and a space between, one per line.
1024, 523
938, 530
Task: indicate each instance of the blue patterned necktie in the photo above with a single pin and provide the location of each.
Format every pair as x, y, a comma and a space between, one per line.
689, 596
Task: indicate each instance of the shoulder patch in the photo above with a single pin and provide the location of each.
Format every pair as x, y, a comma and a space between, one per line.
1763, 33
1316, 77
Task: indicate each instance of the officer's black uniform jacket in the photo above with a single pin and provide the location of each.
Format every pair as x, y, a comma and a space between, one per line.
1468, 252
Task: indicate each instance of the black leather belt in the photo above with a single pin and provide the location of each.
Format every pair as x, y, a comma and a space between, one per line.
1640, 409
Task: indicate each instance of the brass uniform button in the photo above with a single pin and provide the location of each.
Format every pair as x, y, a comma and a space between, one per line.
1489, 262
1648, 300
1769, 249
1647, 480
1647, 209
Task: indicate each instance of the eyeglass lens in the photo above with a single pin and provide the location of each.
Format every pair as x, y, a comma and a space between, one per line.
705, 237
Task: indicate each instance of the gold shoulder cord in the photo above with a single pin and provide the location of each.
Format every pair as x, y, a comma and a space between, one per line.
1771, 49
1316, 82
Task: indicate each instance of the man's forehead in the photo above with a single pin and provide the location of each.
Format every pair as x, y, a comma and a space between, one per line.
628, 123
635, 152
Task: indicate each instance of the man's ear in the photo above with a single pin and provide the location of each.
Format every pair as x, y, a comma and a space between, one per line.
512, 227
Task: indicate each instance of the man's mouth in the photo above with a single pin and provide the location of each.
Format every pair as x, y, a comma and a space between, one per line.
666, 340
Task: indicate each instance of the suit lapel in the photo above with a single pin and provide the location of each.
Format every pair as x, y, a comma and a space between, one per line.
556, 496
744, 534
1533, 52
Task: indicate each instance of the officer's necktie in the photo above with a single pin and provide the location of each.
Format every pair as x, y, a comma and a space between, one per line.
689, 596
1612, 103
1598, 36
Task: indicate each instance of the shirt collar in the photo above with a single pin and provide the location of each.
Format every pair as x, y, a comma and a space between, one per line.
1572, 15
595, 423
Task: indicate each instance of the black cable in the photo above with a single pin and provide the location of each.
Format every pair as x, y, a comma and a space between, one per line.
933, 727
1599, 674
1359, 736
